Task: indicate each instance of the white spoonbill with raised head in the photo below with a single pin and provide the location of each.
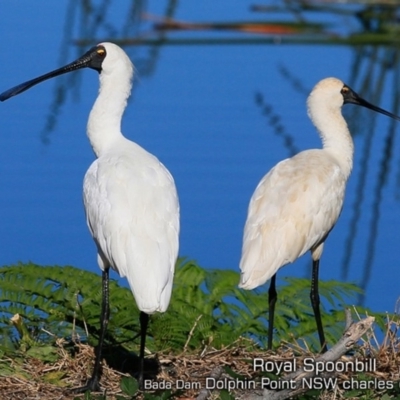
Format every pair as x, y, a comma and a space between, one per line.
298, 202
130, 198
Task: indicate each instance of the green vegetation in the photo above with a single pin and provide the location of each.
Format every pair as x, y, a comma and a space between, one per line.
207, 310
66, 302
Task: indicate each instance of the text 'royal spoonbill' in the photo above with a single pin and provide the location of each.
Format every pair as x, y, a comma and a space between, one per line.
298, 202
130, 198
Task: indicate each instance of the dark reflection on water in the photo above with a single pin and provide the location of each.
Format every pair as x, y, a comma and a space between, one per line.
372, 67
275, 122
378, 64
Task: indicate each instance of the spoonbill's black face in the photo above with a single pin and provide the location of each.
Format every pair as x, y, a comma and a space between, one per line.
95, 57
351, 97
91, 59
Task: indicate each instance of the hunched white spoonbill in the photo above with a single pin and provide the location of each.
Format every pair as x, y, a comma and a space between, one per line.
130, 198
298, 202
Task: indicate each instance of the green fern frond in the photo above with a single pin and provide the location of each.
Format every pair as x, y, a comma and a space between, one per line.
206, 306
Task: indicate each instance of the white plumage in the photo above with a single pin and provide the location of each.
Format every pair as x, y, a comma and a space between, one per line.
298, 202
132, 212
130, 198
130, 201
292, 210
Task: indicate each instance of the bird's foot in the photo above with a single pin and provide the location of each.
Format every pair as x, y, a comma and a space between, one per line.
91, 386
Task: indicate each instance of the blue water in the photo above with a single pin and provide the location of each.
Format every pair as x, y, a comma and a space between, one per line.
197, 113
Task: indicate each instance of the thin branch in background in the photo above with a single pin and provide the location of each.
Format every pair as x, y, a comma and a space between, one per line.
375, 217
133, 18
60, 87
274, 121
154, 52
133, 28
67, 83
385, 62
293, 80
359, 191
94, 19
383, 172
297, 7
365, 157
88, 19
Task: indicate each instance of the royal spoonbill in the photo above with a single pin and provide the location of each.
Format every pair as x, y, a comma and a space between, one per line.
298, 202
130, 198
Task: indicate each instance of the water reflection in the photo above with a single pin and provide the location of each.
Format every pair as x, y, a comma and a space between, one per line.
375, 68
372, 68
274, 120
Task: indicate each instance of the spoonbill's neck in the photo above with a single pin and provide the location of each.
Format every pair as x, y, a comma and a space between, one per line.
335, 135
104, 125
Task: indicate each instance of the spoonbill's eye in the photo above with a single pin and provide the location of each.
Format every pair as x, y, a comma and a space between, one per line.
344, 90
101, 51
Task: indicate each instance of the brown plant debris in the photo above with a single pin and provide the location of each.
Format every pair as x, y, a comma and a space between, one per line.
32, 379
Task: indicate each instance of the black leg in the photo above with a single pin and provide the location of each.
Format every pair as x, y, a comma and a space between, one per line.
314, 295
93, 383
144, 321
272, 297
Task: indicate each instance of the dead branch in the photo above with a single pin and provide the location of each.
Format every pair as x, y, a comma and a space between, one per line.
346, 342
